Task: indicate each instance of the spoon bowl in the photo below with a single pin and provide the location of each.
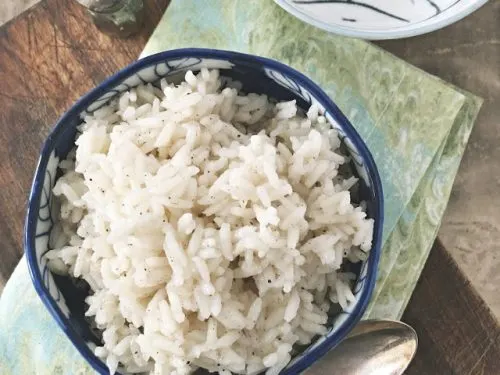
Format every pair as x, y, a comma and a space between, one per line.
374, 347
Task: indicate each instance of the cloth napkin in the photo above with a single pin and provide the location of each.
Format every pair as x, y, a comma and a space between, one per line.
415, 125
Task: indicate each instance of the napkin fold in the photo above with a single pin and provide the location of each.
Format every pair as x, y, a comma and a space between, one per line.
415, 125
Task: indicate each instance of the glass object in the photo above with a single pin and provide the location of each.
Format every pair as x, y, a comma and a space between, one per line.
122, 18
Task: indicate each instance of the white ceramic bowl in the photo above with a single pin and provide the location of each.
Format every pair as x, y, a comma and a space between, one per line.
380, 19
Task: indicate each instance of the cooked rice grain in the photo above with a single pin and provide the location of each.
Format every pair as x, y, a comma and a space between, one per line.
206, 242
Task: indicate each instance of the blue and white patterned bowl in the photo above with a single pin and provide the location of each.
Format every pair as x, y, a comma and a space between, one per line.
66, 302
380, 19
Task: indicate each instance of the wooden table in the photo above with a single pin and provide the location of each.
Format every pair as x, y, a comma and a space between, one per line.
52, 54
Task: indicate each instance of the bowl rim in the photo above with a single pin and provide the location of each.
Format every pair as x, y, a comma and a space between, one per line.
81, 104
446, 18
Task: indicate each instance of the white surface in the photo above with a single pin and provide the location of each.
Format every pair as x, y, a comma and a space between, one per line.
380, 19
11, 8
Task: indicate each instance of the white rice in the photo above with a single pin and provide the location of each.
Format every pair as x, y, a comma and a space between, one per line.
206, 242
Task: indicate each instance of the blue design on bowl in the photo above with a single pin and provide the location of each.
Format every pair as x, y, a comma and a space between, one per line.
65, 301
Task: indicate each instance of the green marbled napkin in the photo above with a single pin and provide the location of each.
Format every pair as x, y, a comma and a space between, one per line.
415, 125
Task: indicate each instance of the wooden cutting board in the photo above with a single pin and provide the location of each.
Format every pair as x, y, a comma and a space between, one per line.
52, 54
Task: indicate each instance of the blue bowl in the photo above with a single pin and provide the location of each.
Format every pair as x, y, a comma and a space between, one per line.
65, 301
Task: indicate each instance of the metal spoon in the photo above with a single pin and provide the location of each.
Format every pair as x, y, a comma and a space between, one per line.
374, 347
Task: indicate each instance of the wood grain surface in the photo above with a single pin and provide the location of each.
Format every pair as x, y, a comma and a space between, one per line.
52, 54
458, 335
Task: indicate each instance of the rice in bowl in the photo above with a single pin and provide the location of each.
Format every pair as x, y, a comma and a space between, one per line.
210, 225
